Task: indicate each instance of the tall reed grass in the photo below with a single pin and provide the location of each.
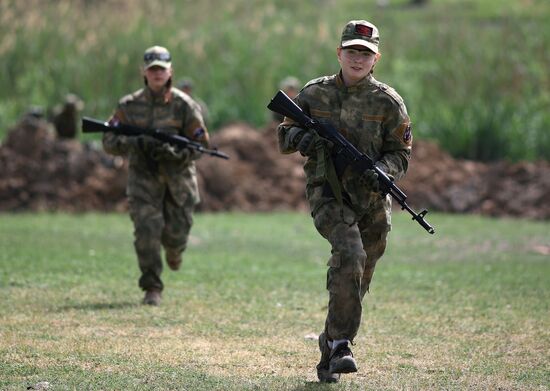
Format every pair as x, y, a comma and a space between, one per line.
474, 74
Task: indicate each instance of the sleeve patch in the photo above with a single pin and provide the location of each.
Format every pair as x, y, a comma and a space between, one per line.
114, 121
198, 133
407, 134
403, 133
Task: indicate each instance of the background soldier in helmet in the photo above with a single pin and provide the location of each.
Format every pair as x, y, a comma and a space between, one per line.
373, 117
188, 86
290, 86
162, 184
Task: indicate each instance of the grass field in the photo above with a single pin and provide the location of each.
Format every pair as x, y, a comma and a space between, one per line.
467, 308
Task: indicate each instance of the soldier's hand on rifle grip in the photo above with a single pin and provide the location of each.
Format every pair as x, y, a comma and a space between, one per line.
370, 179
169, 152
131, 141
306, 145
146, 143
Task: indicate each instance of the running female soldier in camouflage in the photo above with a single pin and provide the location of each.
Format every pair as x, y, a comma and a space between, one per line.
373, 117
162, 184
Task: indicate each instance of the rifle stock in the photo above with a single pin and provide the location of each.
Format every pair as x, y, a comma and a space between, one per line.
345, 154
90, 125
283, 105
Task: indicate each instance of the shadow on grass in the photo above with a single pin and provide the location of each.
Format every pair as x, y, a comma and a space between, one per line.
99, 306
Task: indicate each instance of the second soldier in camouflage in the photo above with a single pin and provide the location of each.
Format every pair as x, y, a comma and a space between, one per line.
162, 182
373, 117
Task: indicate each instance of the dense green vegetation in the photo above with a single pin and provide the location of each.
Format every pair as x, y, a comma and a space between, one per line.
464, 309
474, 74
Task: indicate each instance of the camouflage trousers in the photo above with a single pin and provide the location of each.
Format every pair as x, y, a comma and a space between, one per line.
356, 247
158, 221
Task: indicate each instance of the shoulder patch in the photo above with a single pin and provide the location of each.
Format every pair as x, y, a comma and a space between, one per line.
318, 80
125, 99
131, 97
176, 93
391, 92
183, 98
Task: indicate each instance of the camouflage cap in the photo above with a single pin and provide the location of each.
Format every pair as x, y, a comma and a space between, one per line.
360, 32
157, 56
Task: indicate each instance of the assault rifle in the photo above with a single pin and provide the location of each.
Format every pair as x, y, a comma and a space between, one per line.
90, 125
344, 153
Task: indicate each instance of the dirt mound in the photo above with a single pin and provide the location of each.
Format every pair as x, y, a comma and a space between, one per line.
41, 172
439, 182
257, 178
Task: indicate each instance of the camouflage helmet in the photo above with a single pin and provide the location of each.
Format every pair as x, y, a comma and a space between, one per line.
185, 83
157, 56
290, 82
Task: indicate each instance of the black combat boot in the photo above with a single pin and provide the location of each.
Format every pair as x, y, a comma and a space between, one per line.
152, 297
323, 372
341, 360
173, 259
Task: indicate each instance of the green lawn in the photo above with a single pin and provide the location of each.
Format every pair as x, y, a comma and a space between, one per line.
466, 308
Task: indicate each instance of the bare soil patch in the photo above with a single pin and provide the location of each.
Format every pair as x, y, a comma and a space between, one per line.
41, 171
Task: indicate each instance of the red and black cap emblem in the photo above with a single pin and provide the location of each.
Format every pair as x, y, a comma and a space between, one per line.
363, 30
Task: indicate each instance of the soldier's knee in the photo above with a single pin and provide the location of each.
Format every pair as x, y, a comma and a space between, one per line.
374, 246
346, 272
175, 242
144, 212
147, 238
330, 216
373, 255
346, 240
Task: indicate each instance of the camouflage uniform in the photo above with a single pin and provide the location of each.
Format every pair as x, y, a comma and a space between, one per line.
373, 117
162, 193
186, 85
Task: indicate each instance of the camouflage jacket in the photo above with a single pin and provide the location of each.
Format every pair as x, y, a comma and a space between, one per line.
173, 112
372, 116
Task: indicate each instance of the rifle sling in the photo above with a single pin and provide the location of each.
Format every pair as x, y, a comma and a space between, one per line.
151, 164
325, 172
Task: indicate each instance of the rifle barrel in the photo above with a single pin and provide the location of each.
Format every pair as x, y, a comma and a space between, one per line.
90, 125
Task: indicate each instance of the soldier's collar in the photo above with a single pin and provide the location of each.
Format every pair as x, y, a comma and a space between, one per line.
163, 97
366, 82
